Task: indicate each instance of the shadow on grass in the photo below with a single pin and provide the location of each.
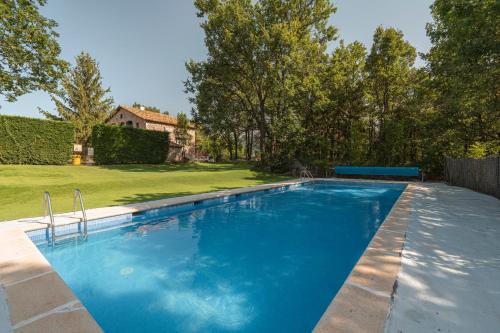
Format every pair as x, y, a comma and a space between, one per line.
143, 197
184, 167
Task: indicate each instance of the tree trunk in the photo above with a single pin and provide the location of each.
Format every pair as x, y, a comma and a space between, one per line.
235, 145
251, 144
263, 134
248, 143
230, 146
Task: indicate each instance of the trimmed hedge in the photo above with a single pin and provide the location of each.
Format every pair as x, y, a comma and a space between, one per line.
125, 145
35, 141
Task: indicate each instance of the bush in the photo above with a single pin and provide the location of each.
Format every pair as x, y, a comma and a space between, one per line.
35, 141
125, 145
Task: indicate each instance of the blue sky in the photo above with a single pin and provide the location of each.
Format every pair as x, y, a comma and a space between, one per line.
142, 46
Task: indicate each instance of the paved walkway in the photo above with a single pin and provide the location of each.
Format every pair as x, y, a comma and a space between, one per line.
4, 314
450, 271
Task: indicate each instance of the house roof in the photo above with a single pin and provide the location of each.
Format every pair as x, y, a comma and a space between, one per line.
151, 116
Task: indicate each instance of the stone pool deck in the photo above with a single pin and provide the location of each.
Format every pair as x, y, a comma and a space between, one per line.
450, 270
434, 265
443, 276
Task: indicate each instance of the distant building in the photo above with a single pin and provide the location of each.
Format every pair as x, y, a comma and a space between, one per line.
141, 118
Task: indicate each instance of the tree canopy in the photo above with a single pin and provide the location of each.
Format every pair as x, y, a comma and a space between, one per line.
29, 51
262, 60
150, 108
268, 85
269, 89
465, 65
181, 132
82, 99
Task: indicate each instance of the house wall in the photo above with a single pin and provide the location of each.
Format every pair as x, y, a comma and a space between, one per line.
161, 128
122, 116
170, 128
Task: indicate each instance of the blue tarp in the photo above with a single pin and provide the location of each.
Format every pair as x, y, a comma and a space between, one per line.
377, 171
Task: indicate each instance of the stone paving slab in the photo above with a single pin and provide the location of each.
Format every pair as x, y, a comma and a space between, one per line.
450, 270
363, 302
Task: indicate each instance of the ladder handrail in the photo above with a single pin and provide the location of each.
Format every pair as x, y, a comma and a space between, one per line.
47, 207
78, 194
304, 173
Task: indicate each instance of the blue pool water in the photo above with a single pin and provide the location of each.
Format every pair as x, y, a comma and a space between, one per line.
265, 263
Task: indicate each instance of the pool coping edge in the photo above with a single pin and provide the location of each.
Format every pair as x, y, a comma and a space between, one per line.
364, 301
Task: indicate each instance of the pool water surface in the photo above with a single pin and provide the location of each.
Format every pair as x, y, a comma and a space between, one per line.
269, 262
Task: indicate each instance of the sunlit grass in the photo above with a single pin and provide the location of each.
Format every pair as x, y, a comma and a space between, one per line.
22, 186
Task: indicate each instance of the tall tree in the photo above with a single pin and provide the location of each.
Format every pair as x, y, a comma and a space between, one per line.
268, 74
181, 132
82, 100
346, 86
390, 71
29, 52
465, 65
264, 55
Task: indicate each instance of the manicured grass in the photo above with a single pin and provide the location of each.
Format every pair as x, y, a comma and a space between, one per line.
22, 186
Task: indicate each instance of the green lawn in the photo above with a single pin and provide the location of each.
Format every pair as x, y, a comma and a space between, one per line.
22, 186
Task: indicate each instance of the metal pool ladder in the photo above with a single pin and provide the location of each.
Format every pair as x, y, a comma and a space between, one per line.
306, 174
47, 209
78, 194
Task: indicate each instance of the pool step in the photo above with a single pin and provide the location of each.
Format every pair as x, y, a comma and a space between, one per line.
68, 236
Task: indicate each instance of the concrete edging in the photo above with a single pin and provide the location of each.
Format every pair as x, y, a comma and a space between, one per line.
364, 300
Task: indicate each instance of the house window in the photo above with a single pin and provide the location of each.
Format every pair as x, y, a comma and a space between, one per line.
121, 115
121, 124
137, 125
130, 124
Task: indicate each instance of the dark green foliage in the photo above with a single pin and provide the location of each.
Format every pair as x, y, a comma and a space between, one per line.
125, 145
294, 101
181, 133
465, 66
82, 100
150, 108
29, 52
35, 141
260, 75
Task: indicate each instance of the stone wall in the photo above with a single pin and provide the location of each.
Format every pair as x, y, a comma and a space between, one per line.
161, 128
122, 117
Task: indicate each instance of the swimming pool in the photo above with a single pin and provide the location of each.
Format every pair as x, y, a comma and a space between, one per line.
260, 262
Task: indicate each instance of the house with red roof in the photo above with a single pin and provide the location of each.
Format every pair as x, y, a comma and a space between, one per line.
141, 118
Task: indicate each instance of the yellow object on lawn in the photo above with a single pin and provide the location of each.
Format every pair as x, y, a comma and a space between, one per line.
76, 160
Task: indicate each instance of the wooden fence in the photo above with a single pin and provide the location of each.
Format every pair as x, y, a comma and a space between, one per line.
481, 175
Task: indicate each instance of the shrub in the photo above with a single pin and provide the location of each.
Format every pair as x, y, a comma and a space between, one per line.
35, 141
125, 145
